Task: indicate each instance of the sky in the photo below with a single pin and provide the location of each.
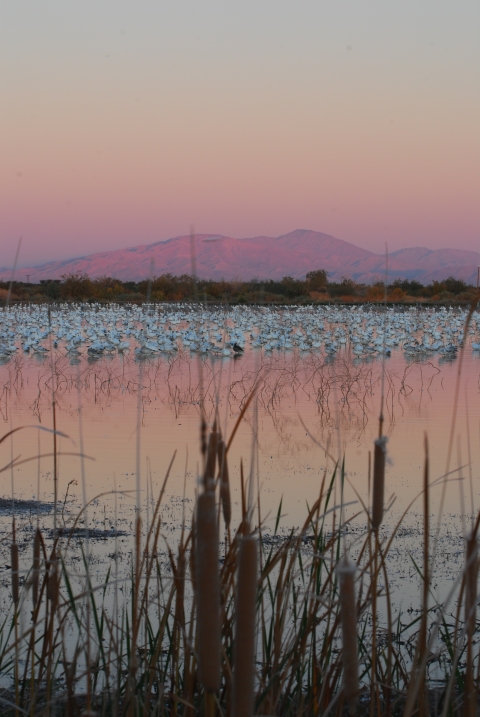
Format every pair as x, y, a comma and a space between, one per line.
124, 123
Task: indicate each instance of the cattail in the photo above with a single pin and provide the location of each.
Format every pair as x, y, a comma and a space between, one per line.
379, 457
15, 576
348, 615
224, 483
193, 556
244, 650
203, 435
36, 566
208, 592
180, 586
471, 579
52, 584
209, 477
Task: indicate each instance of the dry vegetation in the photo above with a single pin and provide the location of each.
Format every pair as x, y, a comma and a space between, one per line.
314, 288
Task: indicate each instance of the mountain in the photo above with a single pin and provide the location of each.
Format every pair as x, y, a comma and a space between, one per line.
264, 257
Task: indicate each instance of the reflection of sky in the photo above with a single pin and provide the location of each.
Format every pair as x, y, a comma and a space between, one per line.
125, 123
290, 464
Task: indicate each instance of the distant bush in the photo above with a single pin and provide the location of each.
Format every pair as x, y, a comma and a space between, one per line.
167, 287
396, 294
375, 292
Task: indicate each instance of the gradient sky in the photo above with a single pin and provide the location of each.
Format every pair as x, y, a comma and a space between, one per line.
125, 122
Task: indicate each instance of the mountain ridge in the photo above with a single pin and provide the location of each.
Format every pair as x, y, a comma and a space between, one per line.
263, 257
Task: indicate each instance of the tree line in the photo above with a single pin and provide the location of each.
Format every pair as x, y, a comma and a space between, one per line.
315, 287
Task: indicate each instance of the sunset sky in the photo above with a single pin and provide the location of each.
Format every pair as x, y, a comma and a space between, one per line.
124, 123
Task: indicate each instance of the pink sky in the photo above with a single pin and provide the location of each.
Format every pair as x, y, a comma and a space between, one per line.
127, 123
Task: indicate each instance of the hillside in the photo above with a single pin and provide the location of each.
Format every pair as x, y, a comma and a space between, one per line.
264, 257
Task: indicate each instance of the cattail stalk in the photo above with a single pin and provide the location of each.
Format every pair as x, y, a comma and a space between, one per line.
224, 483
208, 592
348, 615
244, 649
378, 501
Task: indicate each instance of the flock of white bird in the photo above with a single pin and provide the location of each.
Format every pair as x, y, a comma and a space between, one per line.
96, 330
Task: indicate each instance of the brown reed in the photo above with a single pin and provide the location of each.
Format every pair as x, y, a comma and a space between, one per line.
208, 592
348, 614
378, 499
245, 615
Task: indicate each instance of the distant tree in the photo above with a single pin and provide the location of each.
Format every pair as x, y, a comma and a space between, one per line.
317, 280
76, 286
51, 288
455, 286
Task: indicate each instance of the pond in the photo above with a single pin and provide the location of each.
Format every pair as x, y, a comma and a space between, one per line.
133, 412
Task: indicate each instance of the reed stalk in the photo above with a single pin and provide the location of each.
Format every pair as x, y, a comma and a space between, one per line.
348, 614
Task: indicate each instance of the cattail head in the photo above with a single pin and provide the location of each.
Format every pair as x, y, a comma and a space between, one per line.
180, 585
471, 580
15, 575
379, 459
53, 587
224, 482
203, 435
208, 592
209, 476
348, 616
193, 556
245, 612
36, 566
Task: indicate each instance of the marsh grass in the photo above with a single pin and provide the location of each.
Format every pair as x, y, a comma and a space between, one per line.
290, 634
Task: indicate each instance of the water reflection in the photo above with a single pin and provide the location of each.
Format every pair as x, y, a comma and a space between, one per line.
336, 399
310, 411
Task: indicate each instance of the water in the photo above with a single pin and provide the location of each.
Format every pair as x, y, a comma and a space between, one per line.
310, 410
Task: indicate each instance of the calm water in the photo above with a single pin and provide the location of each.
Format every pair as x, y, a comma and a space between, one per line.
309, 410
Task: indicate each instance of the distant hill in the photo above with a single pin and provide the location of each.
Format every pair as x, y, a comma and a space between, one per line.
292, 254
